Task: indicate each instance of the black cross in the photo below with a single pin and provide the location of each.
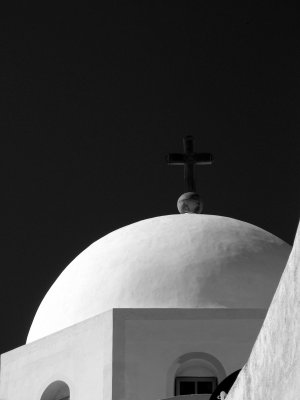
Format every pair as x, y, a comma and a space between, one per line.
189, 159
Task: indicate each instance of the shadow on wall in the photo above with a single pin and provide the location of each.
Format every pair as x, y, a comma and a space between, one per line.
57, 390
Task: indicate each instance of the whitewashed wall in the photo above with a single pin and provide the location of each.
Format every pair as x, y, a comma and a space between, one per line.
149, 343
273, 369
81, 356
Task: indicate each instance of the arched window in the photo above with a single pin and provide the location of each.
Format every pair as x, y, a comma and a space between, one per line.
195, 376
195, 373
57, 390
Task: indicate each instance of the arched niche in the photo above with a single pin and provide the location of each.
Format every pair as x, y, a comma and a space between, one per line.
194, 364
57, 390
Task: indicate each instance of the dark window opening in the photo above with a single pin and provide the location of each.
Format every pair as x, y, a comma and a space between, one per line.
195, 385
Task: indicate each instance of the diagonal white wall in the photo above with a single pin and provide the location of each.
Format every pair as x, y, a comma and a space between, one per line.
273, 368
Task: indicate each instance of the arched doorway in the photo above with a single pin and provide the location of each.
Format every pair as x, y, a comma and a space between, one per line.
57, 390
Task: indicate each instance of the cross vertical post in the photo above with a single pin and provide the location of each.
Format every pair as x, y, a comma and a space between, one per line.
189, 165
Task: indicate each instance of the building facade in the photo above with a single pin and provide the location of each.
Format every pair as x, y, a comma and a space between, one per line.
162, 308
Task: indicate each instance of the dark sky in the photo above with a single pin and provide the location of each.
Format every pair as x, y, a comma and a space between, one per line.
92, 99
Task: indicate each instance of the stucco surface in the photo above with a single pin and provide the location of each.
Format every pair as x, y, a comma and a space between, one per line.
153, 346
273, 369
80, 356
180, 261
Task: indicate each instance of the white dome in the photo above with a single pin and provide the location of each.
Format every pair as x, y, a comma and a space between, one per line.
178, 261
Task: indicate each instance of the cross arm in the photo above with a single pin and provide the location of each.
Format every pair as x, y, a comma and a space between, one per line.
203, 158
194, 158
176, 159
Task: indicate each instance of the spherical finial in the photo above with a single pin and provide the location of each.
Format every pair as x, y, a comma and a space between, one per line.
190, 202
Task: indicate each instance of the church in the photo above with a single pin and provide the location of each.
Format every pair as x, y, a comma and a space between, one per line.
166, 307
